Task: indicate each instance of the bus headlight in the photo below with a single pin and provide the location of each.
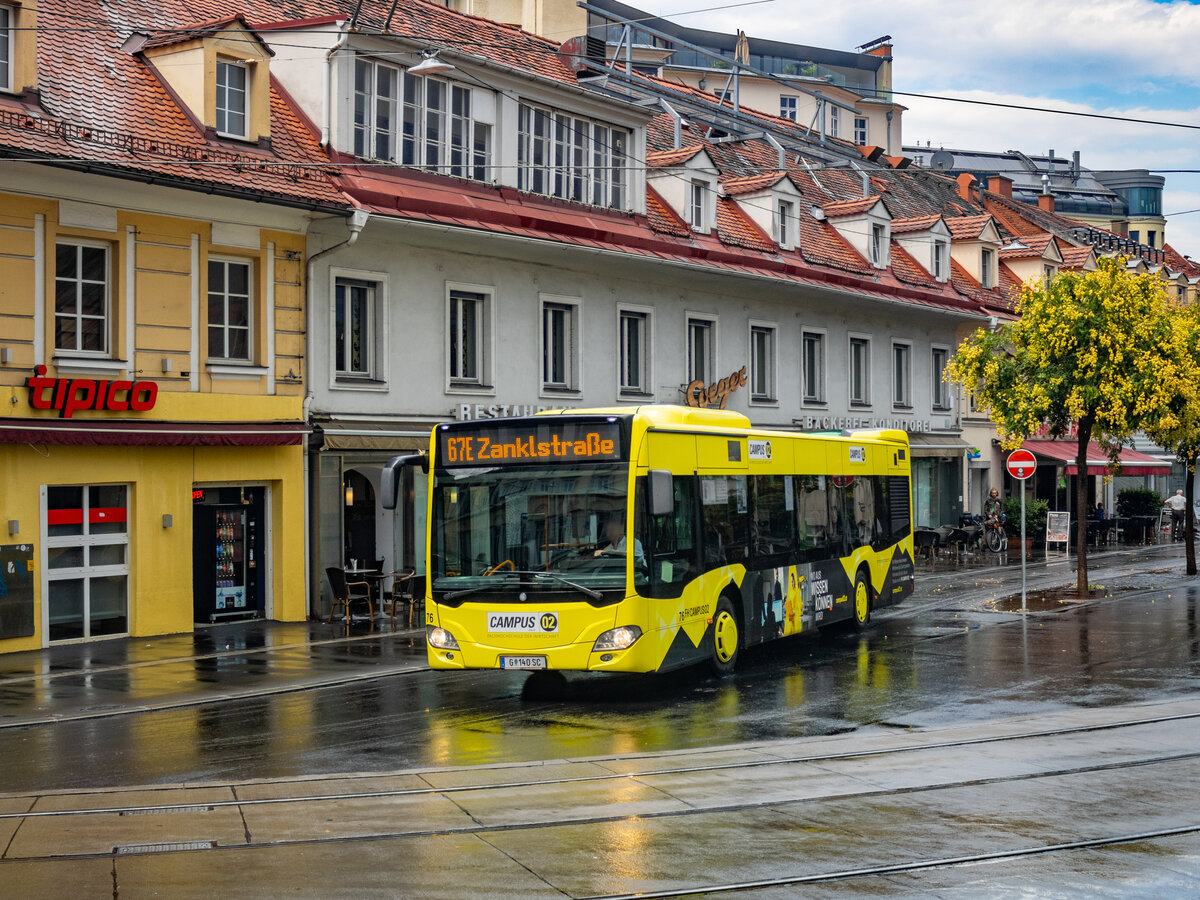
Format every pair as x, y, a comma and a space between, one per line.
617, 638
441, 638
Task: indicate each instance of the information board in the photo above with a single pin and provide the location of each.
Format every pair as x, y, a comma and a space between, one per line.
544, 441
1058, 527
16, 590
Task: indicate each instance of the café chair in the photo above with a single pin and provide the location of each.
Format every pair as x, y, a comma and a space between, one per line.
400, 592
347, 592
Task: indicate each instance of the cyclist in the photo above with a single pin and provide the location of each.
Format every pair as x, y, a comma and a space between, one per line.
993, 520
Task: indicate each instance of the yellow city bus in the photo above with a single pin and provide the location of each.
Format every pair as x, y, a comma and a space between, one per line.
649, 538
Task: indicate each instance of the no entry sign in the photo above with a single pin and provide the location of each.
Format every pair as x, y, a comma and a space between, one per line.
1021, 464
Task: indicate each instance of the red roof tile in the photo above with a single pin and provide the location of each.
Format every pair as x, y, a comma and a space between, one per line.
736, 229
662, 217
1035, 246
853, 207
1075, 257
748, 184
965, 228
920, 223
663, 158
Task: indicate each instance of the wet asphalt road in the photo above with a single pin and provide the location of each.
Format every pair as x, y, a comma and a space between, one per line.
945, 656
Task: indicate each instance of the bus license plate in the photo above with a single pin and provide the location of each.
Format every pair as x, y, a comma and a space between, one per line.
522, 662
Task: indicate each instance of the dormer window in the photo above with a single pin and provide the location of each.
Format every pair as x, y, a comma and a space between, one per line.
879, 245
784, 217
697, 203
987, 264
232, 97
940, 268
571, 158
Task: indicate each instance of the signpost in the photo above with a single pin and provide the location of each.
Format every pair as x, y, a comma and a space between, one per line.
1021, 464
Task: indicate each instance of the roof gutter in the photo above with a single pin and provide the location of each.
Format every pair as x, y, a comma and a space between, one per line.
327, 113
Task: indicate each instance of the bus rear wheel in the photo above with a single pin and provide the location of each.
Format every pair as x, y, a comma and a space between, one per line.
727, 638
862, 600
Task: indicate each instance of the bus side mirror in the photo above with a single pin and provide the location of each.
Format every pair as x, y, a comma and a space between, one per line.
389, 479
662, 492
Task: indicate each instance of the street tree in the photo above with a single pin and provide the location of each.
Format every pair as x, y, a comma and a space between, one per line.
1176, 426
1089, 350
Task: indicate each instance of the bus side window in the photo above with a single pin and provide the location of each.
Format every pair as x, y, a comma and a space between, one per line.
672, 553
813, 532
773, 524
865, 525
726, 506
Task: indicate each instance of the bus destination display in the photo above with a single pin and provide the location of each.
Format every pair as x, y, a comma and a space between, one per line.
530, 443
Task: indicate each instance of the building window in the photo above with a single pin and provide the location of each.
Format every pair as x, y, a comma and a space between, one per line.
1135, 236
697, 200
560, 340
901, 375
6, 48
787, 107
1048, 271
879, 256
81, 298
835, 121
985, 266
785, 216
421, 122
229, 310
571, 158
860, 131
814, 367
354, 327
940, 256
941, 390
467, 334
701, 350
762, 362
1151, 237
232, 99
634, 362
860, 371
87, 560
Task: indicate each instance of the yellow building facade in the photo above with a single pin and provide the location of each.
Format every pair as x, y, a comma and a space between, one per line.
151, 409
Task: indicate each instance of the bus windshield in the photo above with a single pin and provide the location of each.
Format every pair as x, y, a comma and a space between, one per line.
505, 531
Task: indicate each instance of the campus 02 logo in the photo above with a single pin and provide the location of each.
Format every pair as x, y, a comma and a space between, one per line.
522, 623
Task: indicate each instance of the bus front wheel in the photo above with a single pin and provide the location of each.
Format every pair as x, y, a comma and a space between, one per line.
862, 600
726, 637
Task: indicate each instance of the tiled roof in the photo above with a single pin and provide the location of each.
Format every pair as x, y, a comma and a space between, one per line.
663, 158
919, 223
853, 207
737, 230
172, 36
1179, 262
966, 228
907, 269
1035, 246
748, 184
1075, 257
662, 218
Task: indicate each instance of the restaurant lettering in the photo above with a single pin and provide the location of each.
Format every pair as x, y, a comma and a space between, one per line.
68, 395
696, 394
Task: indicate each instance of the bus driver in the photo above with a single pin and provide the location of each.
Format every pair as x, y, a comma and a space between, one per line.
614, 535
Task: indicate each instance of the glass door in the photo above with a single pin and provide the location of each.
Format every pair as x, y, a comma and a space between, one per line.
87, 560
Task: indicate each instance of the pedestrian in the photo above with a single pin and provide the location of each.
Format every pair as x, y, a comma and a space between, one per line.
993, 508
1103, 524
1178, 505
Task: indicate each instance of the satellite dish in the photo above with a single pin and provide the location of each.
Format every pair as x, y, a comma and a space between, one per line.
943, 159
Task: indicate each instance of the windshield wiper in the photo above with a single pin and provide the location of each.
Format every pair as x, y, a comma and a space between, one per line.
528, 573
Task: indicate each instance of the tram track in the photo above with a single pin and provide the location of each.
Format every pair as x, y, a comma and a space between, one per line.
643, 778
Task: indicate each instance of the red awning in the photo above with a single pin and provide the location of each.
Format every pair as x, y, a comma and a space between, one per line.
127, 433
1060, 452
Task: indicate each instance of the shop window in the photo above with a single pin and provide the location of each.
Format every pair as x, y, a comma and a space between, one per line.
82, 297
86, 561
467, 334
560, 346
634, 355
232, 107
229, 313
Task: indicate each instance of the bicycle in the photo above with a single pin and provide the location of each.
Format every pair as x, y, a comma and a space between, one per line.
994, 534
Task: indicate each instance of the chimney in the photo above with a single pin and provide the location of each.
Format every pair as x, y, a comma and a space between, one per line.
1046, 202
965, 181
1000, 184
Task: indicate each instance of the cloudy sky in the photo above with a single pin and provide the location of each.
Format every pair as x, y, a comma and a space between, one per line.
1134, 58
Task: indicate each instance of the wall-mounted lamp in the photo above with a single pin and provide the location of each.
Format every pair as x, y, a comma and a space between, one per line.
349, 495
431, 65
166, 365
14, 526
5, 355
168, 520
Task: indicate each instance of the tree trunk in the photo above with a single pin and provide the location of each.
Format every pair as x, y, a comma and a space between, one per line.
1081, 511
1189, 491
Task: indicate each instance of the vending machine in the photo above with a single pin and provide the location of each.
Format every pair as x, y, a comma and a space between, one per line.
227, 564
